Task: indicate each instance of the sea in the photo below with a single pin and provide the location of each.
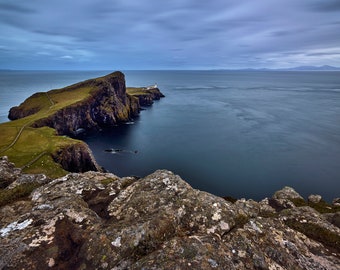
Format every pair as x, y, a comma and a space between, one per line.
244, 134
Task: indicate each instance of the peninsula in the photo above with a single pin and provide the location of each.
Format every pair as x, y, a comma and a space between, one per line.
41, 137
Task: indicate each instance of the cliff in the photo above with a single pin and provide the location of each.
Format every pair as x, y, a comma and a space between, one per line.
89, 105
100, 221
31, 140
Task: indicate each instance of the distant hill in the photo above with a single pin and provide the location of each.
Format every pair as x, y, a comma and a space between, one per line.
314, 68
299, 68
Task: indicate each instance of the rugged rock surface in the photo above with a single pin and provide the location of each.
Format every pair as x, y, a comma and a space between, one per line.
149, 96
8, 172
99, 221
314, 198
107, 104
76, 158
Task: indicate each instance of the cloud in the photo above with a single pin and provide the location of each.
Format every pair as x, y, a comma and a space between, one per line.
67, 57
156, 34
326, 6
14, 8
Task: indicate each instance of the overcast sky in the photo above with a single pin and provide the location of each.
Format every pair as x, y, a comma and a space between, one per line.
174, 34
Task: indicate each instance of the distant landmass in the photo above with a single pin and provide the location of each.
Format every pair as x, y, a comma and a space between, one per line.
312, 68
299, 68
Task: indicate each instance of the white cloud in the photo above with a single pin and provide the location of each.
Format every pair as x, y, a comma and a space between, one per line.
68, 57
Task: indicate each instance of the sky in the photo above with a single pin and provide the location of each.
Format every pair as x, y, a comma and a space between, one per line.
176, 34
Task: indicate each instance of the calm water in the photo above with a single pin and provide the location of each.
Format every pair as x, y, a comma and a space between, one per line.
244, 134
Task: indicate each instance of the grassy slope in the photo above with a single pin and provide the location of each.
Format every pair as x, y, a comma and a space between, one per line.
34, 146
138, 91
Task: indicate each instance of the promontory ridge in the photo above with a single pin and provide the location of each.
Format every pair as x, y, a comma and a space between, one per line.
34, 141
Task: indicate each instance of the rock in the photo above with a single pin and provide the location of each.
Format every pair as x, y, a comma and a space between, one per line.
8, 172
97, 220
313, 225
286, 198
314, 198
333, 218
10, 177
287, 193
149, 96
76, 158
248, 208
336, 202
29, 179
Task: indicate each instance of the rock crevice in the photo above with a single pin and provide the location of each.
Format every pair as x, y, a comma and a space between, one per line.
100, 221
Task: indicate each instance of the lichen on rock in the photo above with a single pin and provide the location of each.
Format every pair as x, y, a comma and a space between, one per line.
97, 220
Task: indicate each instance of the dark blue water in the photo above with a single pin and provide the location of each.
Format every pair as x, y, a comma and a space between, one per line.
244, 134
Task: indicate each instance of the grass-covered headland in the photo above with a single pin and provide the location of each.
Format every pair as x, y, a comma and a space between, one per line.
33, 140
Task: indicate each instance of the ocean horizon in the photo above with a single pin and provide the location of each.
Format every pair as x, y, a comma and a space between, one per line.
236, 133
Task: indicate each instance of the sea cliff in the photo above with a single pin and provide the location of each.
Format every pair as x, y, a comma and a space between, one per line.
103, 102
33, 139
97, 220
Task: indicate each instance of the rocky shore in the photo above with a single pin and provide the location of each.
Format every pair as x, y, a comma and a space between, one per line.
106, 103
97, 220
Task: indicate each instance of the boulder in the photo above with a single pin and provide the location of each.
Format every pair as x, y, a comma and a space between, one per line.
287, 193
8, 172
336, 202
314, 198
96, 220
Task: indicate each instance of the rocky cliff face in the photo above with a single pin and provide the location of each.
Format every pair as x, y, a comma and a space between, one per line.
76, 158
99, 221
149, 96
85, 106
106, 105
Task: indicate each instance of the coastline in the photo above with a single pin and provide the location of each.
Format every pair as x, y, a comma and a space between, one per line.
51, 121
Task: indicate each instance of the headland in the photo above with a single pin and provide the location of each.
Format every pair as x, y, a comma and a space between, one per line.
41, 138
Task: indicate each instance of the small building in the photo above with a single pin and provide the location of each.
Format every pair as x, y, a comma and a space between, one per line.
152, 86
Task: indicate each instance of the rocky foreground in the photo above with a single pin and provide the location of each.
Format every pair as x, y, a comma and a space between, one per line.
100, 221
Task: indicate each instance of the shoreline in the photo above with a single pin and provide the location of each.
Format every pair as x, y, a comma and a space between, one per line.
84, 106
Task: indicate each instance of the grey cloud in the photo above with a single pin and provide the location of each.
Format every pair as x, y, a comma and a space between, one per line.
324, 54
127, 31
13, 8
280, 33
326, 5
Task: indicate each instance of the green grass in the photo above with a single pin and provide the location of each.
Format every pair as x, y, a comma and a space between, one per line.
136, 91
107, 181
139, 91
38, 144
314, 231
34, 147
18, 193
322, 206
42, 107
32, 143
